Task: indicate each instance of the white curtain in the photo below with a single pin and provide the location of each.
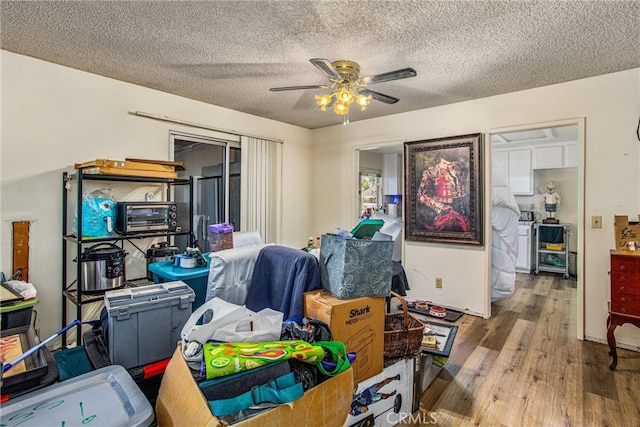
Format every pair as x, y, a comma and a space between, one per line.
261, 188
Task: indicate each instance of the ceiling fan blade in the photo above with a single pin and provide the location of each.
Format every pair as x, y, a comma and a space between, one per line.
326, 67
279, 89
404, 73
379, 96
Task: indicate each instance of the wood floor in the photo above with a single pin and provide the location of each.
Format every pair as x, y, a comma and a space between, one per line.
525, 367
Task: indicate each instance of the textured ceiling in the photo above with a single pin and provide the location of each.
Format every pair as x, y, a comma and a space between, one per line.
229, 53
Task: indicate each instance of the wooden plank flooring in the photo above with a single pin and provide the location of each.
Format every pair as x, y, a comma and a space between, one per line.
525, 367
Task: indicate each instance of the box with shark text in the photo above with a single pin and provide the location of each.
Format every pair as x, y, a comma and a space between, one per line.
357, 322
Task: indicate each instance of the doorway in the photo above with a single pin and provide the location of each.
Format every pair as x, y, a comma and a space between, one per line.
214, 165
547, 152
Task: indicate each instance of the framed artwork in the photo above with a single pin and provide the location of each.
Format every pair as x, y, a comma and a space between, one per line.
443, 190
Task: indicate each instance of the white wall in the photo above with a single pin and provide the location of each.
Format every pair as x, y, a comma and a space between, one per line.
610, 105
53, 117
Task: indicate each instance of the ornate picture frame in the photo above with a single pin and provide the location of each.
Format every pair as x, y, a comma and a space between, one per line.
444, 190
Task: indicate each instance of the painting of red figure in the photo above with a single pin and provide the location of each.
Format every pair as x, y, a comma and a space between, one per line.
443, 182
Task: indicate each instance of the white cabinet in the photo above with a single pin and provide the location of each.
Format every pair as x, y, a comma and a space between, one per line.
555, 156
517, 165
392, 174
525, 246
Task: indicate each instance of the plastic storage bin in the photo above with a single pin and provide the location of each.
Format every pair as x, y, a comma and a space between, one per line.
104, 397
196, 278
18, 313
9, 391
144, 323
30, 371
148, 377
220, 236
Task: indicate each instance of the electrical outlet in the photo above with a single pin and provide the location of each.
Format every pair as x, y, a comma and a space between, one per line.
532, 206
596, 221
438, 282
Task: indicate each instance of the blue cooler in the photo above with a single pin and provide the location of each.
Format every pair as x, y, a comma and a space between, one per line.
196, 278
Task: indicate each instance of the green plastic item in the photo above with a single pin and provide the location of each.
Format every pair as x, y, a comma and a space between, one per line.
17, 313
367, 228
18, 305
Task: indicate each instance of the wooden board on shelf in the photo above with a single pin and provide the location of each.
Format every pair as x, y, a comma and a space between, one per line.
179, 166
151, 165
128, 172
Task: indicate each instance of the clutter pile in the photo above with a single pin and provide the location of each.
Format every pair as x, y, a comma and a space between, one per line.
244, 363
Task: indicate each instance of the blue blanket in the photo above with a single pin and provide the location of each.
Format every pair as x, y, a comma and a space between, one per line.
280, 278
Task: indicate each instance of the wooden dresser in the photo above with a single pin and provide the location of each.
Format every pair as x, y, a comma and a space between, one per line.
625, 297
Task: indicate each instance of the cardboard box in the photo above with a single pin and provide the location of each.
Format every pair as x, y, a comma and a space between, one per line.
385, 399
358, 323
352, 268
627, 235
181, 403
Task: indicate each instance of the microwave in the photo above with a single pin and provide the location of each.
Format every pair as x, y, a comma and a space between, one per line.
141, 217
527, 216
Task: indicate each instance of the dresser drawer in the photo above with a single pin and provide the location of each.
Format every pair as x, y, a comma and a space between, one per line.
624, 264
623, 282
625, 307
624, 298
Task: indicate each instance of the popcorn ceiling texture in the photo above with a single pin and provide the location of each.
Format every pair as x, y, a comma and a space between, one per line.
229, 53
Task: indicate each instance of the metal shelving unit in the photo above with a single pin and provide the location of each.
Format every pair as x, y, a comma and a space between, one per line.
72, 287
552, 260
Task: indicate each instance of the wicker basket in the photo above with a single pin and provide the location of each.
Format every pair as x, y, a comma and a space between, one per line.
402, 332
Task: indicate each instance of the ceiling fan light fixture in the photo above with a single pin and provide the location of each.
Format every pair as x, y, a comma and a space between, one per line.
323, 101
363, 101
347, 87
345, 94
341, 108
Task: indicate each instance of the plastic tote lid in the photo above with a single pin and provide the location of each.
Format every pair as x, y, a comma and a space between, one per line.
221, 228
107, 396
367, 228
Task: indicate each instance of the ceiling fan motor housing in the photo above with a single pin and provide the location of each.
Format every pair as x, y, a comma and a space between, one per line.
349, 70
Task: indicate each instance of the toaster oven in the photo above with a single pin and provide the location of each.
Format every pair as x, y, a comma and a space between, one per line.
527, 216
141, 217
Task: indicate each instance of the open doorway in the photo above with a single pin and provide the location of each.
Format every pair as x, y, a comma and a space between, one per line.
214, 165
532, 156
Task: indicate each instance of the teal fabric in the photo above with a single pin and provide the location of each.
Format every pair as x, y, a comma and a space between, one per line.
72, 362
283, 389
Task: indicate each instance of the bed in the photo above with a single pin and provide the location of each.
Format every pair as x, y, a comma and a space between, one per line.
504, 243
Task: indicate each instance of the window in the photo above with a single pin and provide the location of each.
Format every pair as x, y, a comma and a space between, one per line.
370, 192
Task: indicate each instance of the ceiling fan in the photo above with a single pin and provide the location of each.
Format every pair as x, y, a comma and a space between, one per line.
348, 87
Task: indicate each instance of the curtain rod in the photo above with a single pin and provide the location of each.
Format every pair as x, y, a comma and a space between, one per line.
201, 126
